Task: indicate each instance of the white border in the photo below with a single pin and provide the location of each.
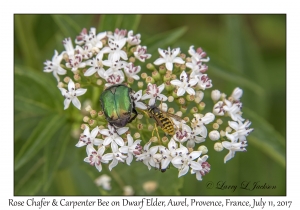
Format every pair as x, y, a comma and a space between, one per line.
157, 6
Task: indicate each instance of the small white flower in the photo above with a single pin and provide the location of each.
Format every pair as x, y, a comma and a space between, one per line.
194, 138
153, 92
136, 98
197, 67
141, 53
205, 167
71, 95
242, 130
89, 137
155, 161
68, 47
147, 154
96, 66
185, 160
115, 156
169, 57
113, 135
233, 110
54, 66
95, 157
118, 34
199, 122
198, 55
115, 78
133, 40
85, 51
132, 149
131, 71
233, 146
115, 49
167, 153
91, 38
115, 66
103, 181
203, 81
219, 108
183, 133
184, 84
237, 94
75, 62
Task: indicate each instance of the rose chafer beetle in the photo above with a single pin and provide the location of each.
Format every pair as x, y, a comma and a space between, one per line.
118, 105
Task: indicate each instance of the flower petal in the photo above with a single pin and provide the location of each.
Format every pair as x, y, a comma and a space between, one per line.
178, 60
169, 66
71, 85
183, 170
80, 91
159, 61
176, 82
76, 103
180, 91
90, 71
67, 103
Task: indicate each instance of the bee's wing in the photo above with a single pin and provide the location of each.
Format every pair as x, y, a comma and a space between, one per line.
176, 117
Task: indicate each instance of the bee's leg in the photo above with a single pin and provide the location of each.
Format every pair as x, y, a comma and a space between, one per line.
155, 128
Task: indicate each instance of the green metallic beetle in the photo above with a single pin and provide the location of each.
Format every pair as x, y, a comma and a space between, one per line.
118, 105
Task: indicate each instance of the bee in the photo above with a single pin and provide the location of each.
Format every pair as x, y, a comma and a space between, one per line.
163, 119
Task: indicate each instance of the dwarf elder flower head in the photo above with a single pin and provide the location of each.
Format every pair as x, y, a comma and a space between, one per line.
108, 58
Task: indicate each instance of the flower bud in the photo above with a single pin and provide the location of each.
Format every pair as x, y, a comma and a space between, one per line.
216, 126
214, 135
237, 94
218, 147
93, 113
203, 149
128, 190
215, 95
150, 186
136, 135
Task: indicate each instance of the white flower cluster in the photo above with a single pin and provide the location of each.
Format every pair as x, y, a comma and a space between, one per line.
102, 60
232, 107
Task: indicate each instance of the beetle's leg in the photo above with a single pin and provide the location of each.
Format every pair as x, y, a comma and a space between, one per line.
134, 116
116, 128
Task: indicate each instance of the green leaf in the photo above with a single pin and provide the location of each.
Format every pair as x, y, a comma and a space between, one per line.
217, 71
165, 39
32, 107
28, 184
111, 22
41, 134
33, 87
67, 25
266, 138
26, 39
54, 155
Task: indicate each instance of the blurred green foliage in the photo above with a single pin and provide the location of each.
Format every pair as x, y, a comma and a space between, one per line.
248, 51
